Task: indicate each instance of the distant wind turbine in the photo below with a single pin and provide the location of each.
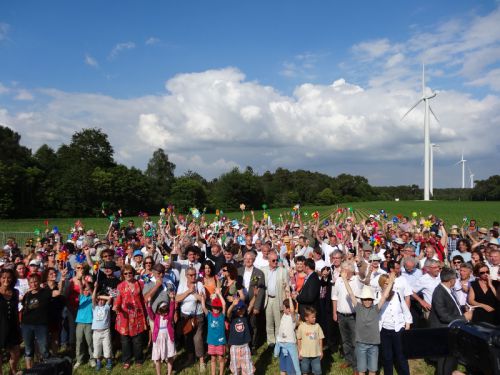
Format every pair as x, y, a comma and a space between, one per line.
471, 176
462, 161
427, 137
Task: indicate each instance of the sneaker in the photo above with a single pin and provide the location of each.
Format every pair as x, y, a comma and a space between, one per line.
109, 364
77, 364
92, 363
97, 365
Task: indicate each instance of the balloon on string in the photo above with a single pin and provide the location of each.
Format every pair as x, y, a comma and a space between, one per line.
414, 214
326, 223
36, 232
382, 212
217, 212
264, 206
315, 214
55, 230
395, 219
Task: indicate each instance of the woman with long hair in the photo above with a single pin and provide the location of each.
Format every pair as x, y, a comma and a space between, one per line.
57, 303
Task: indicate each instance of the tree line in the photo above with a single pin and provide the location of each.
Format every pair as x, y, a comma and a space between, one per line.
82, 178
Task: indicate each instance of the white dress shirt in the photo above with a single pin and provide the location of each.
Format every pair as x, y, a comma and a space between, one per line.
340, 294
394, 314
426, 284
247, 275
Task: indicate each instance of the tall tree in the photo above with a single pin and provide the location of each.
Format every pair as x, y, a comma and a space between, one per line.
160, 171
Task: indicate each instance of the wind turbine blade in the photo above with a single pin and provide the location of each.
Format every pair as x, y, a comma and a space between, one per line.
433, 114
411, 109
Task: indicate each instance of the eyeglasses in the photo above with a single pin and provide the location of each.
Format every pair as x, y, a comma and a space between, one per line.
127, 273
273, 260
484, 272
79, 268
148, 262
191, 274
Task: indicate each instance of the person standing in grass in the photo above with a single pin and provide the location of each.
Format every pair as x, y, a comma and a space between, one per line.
286, 341
101, 314
367, 325
310, 343
216, 332
84, 322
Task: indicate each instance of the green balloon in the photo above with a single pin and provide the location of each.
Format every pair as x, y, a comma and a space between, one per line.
264, 206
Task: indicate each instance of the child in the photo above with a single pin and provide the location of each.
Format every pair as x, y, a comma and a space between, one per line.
84, 322
216, 332
367, 326
286, 341
310, 343
240, 337
163, 333
100, 325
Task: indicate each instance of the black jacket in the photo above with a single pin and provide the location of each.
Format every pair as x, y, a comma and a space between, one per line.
444, 309
309, 294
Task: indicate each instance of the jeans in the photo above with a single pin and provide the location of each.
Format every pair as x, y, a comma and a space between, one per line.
132, 344
31, 332
347, 326
311, 364
366, 357
392, 352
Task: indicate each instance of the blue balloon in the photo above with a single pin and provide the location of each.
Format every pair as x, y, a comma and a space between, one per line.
382, 212
395, 219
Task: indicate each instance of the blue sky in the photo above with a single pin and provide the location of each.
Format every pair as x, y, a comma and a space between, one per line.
229, 83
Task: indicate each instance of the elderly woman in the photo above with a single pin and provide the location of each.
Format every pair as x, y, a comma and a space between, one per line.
189, 296
130, 317
10, 336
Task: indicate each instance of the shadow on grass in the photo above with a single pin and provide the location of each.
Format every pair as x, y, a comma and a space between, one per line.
265, 358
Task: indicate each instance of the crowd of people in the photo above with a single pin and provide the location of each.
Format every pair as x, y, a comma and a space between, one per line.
219, 289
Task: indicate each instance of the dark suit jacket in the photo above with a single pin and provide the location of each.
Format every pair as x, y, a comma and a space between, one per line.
309, 294
257, 279
444, 309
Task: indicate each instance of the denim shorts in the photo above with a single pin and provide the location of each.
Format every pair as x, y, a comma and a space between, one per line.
366, 357
311, 364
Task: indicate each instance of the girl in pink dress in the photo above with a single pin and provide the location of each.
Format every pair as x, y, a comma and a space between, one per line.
163, 334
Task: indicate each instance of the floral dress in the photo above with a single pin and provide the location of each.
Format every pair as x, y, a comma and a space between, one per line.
131, 315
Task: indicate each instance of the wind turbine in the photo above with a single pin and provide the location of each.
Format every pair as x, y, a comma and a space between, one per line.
427, 137
471, 176
433, 146
462, 161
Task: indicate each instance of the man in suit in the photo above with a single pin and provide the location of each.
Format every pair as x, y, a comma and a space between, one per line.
445, 309
251, 277
276, 283
309, 294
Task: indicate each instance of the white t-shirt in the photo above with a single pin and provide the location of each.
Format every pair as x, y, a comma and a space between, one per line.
260, 262
190, 306
286, 331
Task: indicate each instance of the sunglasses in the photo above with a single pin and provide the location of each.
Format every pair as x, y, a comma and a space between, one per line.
273, 260
484, 272
148, 263
457, 262
224, 270
127, 273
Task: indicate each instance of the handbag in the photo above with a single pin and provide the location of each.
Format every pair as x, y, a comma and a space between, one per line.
189, 324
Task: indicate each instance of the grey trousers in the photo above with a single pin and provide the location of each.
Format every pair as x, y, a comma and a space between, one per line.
347, 327
273, 319
84, 332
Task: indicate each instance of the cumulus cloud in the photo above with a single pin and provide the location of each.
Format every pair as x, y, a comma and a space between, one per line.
120, 47
91, 61
214, 120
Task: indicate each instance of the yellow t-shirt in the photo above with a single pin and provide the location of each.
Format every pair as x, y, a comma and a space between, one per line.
310, 334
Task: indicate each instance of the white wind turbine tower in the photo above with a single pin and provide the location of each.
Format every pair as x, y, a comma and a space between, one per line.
471, 176
433, 146
462, 161
427, 137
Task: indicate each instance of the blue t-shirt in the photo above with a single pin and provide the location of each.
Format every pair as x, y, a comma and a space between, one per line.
101, 317
239, 330
216, 334
84, 314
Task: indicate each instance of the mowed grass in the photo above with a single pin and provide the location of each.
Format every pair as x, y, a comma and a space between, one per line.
264, 361
452, 212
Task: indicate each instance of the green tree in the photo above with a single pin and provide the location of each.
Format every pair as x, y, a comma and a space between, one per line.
326, 197
487, 190
187, 193
160, 171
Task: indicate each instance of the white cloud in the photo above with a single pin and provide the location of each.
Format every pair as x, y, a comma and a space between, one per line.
120, 47
4, 31
23, 94
370, 50
152, 40
3, 89
91, 61
301, 66
214, 120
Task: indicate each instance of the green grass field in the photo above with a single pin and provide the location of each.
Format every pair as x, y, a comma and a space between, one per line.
452, 212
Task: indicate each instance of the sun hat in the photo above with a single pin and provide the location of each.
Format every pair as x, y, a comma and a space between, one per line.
216, 302
374, 258
367, 293
138, 253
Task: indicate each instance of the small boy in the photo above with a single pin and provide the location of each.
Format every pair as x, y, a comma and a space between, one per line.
240, 337
310, 343
84, 322
100, 325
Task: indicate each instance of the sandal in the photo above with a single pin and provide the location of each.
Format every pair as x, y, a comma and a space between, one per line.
126, 366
